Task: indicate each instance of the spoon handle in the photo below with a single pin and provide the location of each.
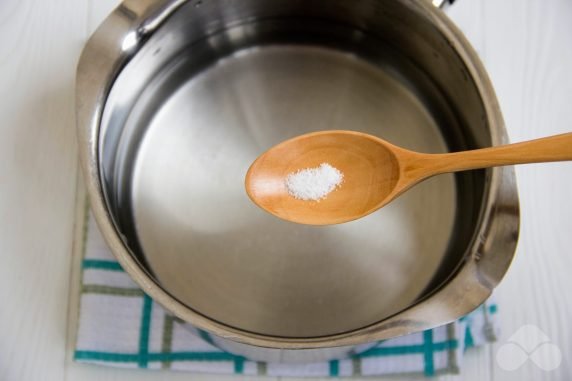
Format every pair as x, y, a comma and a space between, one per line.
553, 148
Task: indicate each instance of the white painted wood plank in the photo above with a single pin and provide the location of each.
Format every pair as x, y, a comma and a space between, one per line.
529, 55
39, 45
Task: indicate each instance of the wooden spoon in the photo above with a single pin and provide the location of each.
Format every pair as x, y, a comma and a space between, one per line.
375, 171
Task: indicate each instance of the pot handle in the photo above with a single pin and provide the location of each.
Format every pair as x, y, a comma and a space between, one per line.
162, 10
442, 3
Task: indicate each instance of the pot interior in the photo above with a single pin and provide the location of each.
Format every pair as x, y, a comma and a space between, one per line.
219, 83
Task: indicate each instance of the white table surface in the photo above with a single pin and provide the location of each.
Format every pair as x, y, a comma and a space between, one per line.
526, 46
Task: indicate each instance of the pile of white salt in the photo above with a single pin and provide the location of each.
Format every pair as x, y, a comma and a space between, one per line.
313, 184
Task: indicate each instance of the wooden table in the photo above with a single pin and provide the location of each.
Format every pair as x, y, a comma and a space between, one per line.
527, 48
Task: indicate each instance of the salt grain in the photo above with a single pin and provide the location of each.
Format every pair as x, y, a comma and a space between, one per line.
313, 183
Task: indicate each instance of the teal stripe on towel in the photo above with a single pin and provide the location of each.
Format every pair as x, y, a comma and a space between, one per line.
144, 331
101, 264
238, 365
428, 352
154, 357
334, 368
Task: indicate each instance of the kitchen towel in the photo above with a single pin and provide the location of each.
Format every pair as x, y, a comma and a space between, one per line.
121, 326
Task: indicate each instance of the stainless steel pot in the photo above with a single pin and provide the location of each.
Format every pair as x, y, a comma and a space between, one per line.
175, 98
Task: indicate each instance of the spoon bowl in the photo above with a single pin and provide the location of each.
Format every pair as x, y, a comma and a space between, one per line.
369, 165
375, 171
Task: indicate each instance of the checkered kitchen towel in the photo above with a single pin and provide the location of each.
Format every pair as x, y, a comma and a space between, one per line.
121, 326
